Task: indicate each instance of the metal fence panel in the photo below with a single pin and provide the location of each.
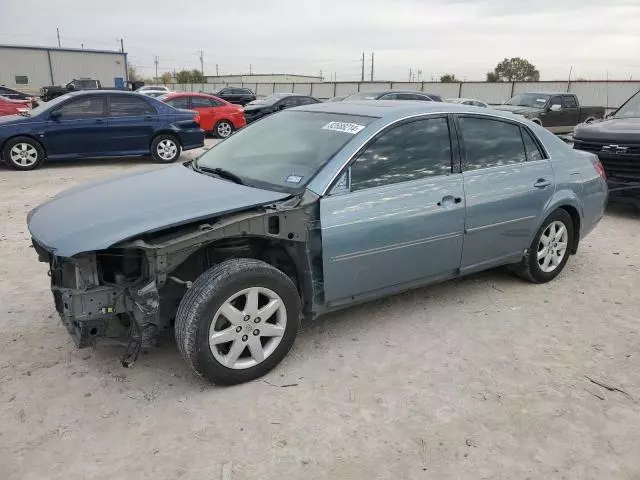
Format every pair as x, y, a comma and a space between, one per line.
346, 88
604, 94
405, 86
264, 89
522, 87
302, 88
374, 86
322, 91
493, 93
283, 88
445, 90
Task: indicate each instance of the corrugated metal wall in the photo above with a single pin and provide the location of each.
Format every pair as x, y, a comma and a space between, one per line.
39, 65
599, 93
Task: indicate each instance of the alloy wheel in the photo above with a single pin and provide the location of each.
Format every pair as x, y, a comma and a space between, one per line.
23, 154
247, 328
167, 149
224, 129
552, 246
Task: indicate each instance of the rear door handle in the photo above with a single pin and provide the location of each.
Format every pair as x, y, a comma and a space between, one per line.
148, 117
449, 199
542, 183
99, 120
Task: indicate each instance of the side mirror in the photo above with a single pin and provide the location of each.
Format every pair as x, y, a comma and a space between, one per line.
282, 106
608, 116
555, 107
55, 115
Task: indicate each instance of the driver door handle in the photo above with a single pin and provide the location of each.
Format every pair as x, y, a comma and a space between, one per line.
542, 183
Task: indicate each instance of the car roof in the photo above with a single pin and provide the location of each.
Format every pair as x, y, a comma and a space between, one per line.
540, 92
391, 110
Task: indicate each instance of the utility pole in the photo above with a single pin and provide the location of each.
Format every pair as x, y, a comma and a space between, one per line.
82, 46
58, 33
217, 70
320, 74
410, 74
569, 80
372, 61
156, 60
202, 67
250, 72
122, 45
362, 74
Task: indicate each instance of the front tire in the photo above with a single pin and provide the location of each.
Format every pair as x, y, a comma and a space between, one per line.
23, 153
223, 129
165, 148
237, 321
550, 249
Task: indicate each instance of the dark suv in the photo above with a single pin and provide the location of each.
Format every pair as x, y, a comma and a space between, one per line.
239, 96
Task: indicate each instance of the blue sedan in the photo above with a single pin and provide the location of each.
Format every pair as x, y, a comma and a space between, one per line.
98, 124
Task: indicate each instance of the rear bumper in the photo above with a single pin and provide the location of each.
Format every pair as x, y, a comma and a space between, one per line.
193, 138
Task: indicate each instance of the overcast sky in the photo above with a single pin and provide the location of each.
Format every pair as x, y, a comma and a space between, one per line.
464, 37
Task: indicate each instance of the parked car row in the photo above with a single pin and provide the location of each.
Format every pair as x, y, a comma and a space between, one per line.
308, 211
98, 124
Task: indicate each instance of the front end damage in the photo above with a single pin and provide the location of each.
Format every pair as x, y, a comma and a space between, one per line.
130, 292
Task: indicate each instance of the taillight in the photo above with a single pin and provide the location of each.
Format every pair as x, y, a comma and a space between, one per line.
600, 169
196, 119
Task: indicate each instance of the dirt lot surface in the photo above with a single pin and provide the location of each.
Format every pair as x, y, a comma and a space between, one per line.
484, 377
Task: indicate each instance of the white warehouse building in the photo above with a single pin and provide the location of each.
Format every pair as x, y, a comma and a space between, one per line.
27, 68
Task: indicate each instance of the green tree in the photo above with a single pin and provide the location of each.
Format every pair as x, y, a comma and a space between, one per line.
492, 77
183, 76
196, 76
133, 73
166, 78
516, 69
449, 78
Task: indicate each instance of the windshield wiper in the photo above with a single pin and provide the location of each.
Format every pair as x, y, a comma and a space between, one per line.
221, 172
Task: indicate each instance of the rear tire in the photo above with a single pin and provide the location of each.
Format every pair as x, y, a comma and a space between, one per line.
223, 129
23, 153
550, 249
165, 148
218, 317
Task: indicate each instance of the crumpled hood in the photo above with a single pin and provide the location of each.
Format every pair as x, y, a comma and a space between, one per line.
623, 130
97, 215
519, 110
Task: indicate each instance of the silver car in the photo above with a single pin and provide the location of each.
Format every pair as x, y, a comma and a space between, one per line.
307, 211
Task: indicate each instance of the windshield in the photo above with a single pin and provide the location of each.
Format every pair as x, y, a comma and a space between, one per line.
529, 100
363, 96
631, 109
46, 106
285, 150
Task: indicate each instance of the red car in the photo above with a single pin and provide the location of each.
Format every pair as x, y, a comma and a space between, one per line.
13, 107
216, 116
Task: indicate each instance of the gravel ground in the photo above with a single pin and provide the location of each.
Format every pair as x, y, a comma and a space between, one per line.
483, 377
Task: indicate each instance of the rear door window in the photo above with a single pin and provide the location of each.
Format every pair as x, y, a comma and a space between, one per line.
490, 143
129, 106
410, 151
569, 101
531, 147
201, 102
180, 102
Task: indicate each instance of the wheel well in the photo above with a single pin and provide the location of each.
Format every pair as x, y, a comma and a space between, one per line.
25, 136
165, 132
272, 252
575, 219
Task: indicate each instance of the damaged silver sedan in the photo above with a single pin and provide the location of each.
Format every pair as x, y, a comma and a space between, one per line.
307, 211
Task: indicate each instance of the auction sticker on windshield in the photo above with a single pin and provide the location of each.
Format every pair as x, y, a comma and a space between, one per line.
351, 128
